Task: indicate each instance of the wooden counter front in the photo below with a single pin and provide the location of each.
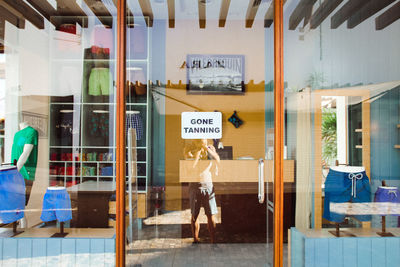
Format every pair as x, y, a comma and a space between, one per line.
234, 171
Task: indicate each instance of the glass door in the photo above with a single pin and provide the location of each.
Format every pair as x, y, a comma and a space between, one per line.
200, 96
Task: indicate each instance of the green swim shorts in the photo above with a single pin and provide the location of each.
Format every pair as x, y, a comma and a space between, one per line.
100, 81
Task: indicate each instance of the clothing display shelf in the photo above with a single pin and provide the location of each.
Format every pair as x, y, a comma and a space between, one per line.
69, 171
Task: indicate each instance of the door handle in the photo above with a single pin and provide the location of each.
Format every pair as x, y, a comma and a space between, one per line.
261, 193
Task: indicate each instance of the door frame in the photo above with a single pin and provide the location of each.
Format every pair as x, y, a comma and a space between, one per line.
278, 133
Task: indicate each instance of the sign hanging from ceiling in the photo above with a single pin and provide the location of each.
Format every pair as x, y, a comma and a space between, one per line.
201, 125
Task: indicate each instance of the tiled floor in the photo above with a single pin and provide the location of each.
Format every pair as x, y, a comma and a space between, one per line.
165, 240
174, 253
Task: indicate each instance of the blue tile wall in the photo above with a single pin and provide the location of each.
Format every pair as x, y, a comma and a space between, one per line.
39, 252
385, 115
344, 251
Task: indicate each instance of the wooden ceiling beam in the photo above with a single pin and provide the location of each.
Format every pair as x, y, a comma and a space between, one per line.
2, 29
45, 9
101, 12
2, 26
323, 11
369, 9
307, 17
18, 22
130, 19
252, 12
223, 12
388, 17
19, 6
147, 11
69, 10
300, 12
202, 14
346, 11
171, 13
269, 15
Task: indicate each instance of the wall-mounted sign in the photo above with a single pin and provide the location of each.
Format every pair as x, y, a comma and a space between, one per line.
215, 74
201, 125
37, 121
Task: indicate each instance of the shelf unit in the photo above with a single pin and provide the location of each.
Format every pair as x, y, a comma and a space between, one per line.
81, 140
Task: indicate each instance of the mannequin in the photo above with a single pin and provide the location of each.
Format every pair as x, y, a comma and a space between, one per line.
24, 150
27, 149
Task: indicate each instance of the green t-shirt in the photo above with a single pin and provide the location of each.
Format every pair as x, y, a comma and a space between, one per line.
25, 136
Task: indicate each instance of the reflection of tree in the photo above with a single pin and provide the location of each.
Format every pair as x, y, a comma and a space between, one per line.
316, 80
329, 137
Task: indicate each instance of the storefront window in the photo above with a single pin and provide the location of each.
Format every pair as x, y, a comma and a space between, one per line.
57, 106
199, 131
342, 72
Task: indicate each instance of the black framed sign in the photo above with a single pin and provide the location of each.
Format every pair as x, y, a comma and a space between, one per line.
215, 74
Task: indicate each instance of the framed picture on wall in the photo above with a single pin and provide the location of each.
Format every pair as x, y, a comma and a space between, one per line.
37, 121
215, 74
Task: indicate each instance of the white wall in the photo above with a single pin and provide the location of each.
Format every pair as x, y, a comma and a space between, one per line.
187, 38
358, 55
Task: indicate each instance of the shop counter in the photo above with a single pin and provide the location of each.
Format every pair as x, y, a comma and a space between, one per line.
236, 188
234, 171
92, 200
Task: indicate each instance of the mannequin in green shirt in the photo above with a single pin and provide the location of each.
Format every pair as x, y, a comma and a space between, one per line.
24, 151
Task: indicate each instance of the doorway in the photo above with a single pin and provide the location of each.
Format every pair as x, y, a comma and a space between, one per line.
203, 66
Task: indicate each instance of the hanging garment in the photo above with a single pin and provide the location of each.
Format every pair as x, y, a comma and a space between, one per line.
347, 185
134, 121
25, 136
12, 195
56, 205
387, 195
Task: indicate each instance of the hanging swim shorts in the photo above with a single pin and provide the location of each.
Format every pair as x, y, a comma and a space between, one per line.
56, 205
342, 187
389, 197
12, 194
100, 82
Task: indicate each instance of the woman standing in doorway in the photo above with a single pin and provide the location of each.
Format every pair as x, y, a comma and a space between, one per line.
201, 193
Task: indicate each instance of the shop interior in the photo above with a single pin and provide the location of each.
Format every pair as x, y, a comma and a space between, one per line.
342, 101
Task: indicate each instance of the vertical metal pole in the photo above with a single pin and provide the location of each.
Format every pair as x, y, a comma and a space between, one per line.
120, 134
278, 132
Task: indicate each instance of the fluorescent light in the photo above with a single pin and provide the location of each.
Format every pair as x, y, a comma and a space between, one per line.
134, 68
100, 111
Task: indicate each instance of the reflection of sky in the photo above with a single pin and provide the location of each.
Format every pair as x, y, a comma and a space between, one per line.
2, 97
2, 90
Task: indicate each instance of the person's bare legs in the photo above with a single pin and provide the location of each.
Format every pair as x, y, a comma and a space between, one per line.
195, 228
211, 227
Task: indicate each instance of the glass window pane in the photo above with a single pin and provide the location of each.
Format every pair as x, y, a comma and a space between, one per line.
341, 70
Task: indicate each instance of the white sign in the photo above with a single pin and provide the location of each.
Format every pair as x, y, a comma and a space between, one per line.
201, 125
